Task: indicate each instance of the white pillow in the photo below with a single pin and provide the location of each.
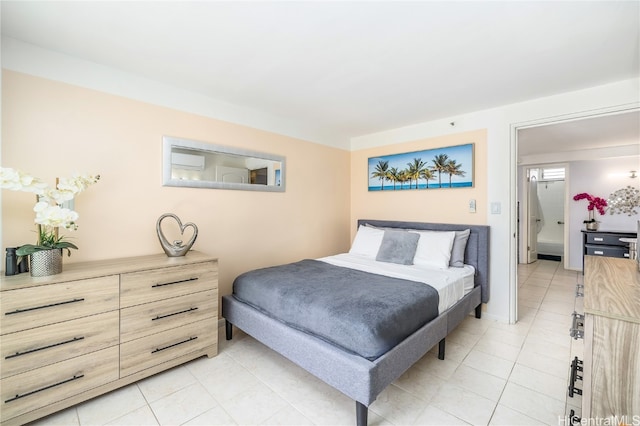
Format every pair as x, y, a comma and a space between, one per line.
434, 249
367, 241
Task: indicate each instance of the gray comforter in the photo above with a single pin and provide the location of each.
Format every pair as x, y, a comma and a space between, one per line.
364, 313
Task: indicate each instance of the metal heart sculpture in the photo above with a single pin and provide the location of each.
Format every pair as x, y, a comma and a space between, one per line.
177, 248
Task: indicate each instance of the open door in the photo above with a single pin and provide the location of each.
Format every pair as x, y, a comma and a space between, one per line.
533, 219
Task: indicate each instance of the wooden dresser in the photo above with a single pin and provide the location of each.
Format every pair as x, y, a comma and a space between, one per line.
611, 381
101, 325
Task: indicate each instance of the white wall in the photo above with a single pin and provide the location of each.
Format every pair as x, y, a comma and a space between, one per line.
502, 124
551, 198
598, 178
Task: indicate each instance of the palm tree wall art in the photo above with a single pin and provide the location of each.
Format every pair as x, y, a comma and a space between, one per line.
449, 167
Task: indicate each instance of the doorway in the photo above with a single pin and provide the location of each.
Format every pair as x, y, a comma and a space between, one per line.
611, 130
544, 199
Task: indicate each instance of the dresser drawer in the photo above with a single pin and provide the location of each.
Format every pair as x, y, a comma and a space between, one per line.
26, 308
611, 369
142, 320
164, 283
37, 388
606, 239
155, 349
37, 347
608, 251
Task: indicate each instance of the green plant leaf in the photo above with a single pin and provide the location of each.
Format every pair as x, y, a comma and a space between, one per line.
28, 249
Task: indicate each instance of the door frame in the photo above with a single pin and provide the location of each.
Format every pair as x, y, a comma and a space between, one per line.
513, 132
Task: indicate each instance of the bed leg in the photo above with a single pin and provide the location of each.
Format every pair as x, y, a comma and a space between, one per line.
361, 414
441, 349
228, 329
479, 311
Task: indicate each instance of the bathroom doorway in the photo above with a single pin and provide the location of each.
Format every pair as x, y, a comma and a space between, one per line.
546, 199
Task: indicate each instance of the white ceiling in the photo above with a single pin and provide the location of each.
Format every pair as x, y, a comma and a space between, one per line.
600, 132
352, 68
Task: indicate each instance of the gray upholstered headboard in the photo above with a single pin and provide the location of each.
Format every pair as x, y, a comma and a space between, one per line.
476, 253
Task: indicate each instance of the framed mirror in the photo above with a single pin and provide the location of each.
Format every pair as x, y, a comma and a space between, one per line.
195, 164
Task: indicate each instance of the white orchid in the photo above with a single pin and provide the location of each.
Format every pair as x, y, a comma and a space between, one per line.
67, 188
55, 216
16, 180
49, 214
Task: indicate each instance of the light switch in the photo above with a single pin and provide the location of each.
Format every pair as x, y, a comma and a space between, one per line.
496, 207
472, 206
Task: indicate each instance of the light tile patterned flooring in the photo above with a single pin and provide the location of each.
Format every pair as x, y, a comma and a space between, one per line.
494, 373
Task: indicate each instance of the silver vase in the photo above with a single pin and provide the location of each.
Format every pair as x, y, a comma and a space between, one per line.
45, 262
592, 226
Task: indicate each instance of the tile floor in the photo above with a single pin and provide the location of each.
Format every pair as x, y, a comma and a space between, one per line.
494, 374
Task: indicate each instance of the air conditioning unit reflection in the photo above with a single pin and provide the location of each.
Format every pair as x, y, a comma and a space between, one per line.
187, 161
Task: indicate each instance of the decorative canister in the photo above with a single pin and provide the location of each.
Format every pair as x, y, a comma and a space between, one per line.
592, 223
592, 226
46, 262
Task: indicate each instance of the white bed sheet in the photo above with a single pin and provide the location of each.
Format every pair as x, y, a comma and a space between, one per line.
452, 283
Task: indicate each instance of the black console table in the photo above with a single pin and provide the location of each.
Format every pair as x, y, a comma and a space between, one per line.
605, 243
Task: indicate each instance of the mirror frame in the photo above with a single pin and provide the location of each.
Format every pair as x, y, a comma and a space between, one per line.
169, 142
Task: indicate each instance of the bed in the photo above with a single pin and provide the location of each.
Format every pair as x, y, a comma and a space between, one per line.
341, 350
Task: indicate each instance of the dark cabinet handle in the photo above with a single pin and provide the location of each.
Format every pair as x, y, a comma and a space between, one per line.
75, 377
575, 420
576, 367
19, 311
174, 282
175, 313
75, 339
175, 344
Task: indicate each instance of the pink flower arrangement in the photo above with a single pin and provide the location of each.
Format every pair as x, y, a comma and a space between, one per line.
594, 202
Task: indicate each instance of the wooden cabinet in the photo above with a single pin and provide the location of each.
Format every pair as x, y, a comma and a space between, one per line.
611, 383
101, 325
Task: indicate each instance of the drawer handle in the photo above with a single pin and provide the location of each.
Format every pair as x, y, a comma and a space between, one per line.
579, 290
577, 326
175, 313
75, 339
174, 282
19, 311
576, 367
175, 344
598, 252
75, 377
575, 420
598, 239
626, 255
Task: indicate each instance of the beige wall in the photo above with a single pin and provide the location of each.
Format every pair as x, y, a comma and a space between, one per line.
51, 129
445, 205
